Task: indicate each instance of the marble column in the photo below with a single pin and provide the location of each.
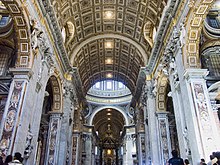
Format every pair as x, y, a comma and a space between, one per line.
130, 149
164, 137
53, 138
201, 128
180, 117
10, 123
152, 124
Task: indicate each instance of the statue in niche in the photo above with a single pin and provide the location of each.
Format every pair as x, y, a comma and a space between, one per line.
173, 69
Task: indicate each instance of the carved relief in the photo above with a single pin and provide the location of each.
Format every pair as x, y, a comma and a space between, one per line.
203, 115
53, 140
164, 142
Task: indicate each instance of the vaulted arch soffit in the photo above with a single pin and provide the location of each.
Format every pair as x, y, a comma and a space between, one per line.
120, 110
57, 95
162, 93
194, 23
21, 29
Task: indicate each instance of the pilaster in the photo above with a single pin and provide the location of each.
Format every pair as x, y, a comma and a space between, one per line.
66, 124
87, 148
130, 150
180, 118
164, 136
10, 123
202, 131
53, 138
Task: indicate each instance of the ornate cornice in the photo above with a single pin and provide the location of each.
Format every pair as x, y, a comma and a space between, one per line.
163, 27
48, 12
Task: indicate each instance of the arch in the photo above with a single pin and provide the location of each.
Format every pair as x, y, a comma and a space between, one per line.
56, 89
106, 107
196, 17
22, 33
103, 36
161, 93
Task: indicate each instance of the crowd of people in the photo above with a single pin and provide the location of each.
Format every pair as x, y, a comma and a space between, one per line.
176, 160
12, 160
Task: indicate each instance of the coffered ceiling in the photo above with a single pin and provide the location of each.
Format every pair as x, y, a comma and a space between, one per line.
108, 39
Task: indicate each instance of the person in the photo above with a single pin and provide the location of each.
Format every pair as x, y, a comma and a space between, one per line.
186, 162
211, 159
217, 158
1, 160
17, 159
8, 159
202, 162
175, 160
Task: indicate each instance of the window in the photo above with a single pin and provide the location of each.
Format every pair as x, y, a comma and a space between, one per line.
4, 20
109, 85
97, 85
120, 85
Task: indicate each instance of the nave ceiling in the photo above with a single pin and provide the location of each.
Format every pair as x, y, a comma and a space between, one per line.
109, 39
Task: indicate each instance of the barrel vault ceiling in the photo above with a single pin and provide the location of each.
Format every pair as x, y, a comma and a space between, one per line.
108, 39
108, 119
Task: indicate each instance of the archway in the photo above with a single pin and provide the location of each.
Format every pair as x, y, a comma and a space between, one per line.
49, 124
109, 126
21, 29
166, 119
